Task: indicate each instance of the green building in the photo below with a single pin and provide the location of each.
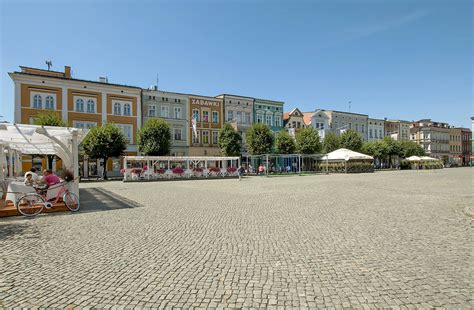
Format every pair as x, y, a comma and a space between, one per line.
269, 112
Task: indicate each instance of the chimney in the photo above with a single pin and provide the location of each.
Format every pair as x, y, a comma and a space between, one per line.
67, 72
103, 79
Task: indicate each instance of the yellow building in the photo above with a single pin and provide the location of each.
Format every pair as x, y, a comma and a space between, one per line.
81, 103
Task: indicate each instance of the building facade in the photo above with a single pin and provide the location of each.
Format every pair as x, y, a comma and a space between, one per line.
321, 122
376, 129
293, 119
466, 137
238, 111
208, 113
269, 112
398, 129
455, 146
342, 121
80, 103
173, 108
433, 137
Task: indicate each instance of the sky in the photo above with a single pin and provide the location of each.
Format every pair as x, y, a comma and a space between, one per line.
398, 59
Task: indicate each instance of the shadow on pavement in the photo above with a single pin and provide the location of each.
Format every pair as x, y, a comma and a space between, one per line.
99, 199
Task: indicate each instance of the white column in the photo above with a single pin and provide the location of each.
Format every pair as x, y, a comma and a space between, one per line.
65, 103
104, 108
75, 163
139, 112
17, 96
2, 160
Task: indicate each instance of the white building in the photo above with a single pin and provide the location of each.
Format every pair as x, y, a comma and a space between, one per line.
320, 122
376, 129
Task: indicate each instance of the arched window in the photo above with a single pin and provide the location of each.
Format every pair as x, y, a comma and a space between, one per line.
49, 103
117, 109
90, 106
37, 102
126, 109
79, 105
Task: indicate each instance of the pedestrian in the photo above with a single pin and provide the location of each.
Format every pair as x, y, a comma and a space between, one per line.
261, 169
240, 171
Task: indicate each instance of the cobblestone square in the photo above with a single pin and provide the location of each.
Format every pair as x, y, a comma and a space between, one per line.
400, 240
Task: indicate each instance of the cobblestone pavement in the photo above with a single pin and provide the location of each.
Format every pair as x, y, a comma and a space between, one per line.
388, 239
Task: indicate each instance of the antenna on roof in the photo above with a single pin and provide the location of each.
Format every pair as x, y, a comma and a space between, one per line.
49, 63
349, 106
157, 80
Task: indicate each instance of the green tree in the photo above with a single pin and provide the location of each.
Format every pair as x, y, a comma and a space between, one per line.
393, 148
229, 141
49, 119
410, 148
331, 142
376, 149
154, 139
104, 142
285, 144
351, 140
259, 139
307, 141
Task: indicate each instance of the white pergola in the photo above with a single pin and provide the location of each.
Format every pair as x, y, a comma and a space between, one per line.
19, 139
187, 160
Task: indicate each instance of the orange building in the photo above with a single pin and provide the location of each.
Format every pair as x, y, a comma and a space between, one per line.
81, 103
208, 113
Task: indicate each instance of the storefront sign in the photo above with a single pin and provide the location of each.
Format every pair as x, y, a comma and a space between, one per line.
205, 102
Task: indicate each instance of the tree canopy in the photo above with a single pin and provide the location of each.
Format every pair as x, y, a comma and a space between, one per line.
411, 148
331, 142
307, 141
154, 139
49, 119
229, 141
104, 142
284, 143
259, 139
351, 140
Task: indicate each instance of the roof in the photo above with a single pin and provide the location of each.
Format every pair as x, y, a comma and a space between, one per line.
307, 116
286, 116
348, 113
69, 79
237, 96
345, 154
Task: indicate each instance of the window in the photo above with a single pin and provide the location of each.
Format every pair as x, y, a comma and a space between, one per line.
90, 106
278, 121
84, 125
177, 112
370, 133
165, 111
215, 137
37, 102
175, 100
247, 118
215, 117
268, 120
49, 103
79, 105
380, 133
230, 115
196, 137
375, 131
152, 111
196, 114
239, 117
205, 137
205, 116
127, 109
149, 97
363, 128
117, 108
259, 118
357, 127
127, 131
177, 134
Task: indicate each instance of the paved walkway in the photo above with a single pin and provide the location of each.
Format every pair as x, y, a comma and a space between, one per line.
388, 239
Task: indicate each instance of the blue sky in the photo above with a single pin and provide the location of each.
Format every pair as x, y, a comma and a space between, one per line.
396, 58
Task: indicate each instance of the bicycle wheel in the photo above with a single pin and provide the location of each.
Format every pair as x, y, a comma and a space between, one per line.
30, 204
71, 201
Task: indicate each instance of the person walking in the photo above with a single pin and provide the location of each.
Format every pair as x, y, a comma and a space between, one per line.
241, 171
